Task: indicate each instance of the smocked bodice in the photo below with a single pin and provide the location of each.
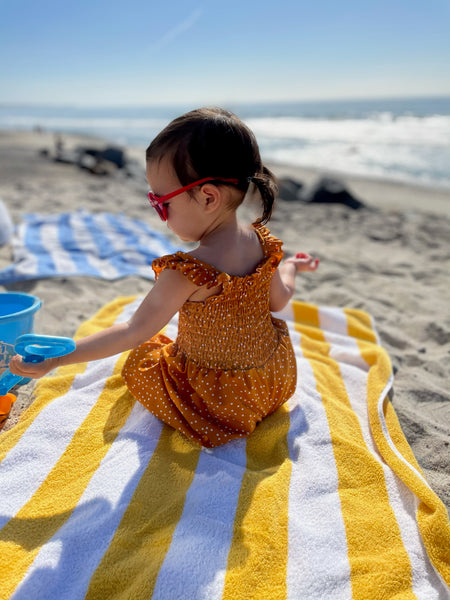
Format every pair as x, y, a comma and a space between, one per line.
233, 329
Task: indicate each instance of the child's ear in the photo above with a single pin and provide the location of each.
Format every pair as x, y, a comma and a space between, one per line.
211, 197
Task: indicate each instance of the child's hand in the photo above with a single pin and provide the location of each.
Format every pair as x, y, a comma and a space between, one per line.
303, 262
34, 370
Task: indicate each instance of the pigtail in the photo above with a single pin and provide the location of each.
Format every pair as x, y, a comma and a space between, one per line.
267, 186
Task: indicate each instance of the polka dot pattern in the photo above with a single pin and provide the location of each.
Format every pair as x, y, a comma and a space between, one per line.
232, 363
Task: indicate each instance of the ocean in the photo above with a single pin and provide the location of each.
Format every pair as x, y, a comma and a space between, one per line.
403, 139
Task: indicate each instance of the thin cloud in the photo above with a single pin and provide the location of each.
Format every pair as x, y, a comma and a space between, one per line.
176, 31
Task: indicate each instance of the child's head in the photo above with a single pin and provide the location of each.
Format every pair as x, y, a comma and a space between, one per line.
213, 142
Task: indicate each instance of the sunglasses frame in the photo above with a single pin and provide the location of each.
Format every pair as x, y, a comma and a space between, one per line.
158, 202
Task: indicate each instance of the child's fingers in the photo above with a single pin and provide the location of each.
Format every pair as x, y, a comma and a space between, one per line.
306, 258
305, 262
23, 369
310, 265
15, 365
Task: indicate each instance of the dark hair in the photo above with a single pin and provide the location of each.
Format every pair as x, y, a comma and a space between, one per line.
213, 142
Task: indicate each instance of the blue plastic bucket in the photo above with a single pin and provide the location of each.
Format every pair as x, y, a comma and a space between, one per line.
16, 317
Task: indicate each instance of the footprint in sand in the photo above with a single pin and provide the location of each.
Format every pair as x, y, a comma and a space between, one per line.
438, 334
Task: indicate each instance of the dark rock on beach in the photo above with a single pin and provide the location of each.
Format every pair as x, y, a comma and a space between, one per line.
325, 190
289, 189
328, 190
96, 159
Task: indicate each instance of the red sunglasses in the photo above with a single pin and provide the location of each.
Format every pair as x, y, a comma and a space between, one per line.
158, 202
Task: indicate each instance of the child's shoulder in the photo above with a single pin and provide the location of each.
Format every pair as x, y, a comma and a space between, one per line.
242, 253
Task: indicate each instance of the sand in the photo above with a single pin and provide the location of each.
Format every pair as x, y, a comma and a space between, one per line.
390, 259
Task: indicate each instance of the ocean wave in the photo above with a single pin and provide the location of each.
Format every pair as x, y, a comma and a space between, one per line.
385, 128
403, 147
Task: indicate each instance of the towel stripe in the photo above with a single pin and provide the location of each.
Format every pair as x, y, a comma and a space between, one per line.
140, 544
404, 504
394, 448
61, 382
77, 241
52, 502
206, 525
258, 553
52, 242
34, 246
317, 540
39, 442
370, 524
30, 257
92, 524
103, 257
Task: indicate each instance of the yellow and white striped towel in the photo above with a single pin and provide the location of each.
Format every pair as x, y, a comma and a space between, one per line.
325, 500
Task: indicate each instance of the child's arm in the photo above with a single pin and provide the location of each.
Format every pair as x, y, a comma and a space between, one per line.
282, 287
166, 297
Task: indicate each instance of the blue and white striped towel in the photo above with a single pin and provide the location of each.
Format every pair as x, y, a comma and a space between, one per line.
104, 245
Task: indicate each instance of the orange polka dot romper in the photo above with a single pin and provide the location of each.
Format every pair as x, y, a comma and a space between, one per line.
232, 363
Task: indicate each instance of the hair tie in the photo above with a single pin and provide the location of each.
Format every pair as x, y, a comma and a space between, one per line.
252, 179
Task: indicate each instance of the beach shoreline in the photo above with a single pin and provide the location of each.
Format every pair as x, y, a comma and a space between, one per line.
390, 259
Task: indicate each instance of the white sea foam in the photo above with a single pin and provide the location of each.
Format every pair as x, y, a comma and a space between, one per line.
405, 148
434, 130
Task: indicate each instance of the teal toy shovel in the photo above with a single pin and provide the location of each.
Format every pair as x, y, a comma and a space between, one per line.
34, 349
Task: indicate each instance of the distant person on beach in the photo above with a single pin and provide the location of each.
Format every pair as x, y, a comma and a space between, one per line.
232, 363
59, 146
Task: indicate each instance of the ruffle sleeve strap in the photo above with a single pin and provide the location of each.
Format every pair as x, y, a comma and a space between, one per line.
272, 246
195, 270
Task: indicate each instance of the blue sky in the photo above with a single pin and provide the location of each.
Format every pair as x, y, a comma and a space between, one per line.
133, 52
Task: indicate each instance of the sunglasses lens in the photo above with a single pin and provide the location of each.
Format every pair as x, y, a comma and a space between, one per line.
161, 212
160, 209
